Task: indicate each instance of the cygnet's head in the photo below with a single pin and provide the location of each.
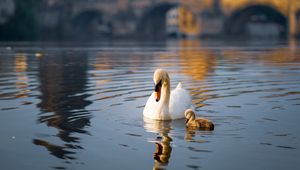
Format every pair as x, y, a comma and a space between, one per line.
189, 115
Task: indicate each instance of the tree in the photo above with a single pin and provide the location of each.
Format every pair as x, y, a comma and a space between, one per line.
23, 25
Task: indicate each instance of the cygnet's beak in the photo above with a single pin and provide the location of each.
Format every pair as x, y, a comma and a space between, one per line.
157, 91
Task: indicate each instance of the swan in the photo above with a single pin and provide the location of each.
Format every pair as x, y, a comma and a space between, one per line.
163, 104
197, 123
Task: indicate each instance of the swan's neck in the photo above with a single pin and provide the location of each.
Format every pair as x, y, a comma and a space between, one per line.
165, 96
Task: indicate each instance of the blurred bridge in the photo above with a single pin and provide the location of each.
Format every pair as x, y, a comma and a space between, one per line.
216, 17
147, 18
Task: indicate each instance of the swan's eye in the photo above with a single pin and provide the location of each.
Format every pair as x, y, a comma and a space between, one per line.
157, 86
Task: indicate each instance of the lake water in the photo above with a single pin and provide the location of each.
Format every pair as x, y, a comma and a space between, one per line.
79, 106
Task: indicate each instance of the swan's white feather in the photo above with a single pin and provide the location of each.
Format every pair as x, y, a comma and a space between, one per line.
150, 110
180, 100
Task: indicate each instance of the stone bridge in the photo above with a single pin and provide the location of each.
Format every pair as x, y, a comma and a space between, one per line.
216, 17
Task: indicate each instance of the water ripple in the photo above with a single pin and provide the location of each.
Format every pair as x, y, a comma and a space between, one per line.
93, 97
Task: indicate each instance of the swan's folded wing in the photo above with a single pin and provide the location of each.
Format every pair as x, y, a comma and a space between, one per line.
180, 100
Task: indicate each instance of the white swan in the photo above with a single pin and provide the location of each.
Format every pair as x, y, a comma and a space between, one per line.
163, 105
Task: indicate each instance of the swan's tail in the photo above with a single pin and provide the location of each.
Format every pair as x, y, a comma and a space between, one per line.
179, 85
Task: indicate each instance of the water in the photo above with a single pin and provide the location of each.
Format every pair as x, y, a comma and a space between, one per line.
79, 106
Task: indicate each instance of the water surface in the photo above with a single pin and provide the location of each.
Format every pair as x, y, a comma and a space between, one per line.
79, 106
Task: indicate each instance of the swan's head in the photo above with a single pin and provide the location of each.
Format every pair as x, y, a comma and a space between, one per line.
189, 115
160, 78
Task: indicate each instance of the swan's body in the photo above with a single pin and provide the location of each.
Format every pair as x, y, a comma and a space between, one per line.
197, 123
166, 105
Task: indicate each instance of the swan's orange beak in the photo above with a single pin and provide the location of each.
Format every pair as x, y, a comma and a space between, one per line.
157, 96
157, 91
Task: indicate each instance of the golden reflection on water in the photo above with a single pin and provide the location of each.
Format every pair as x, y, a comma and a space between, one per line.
195, 62
20, 67
278, 57
103, 62
20, 63
200, 62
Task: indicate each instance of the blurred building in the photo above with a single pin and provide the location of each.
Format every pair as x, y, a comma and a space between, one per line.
101, 19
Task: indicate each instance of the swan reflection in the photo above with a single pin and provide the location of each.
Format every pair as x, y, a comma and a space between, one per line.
163, 141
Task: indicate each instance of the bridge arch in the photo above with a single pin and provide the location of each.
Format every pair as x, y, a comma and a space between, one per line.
90, 24
152, 24
257, 21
